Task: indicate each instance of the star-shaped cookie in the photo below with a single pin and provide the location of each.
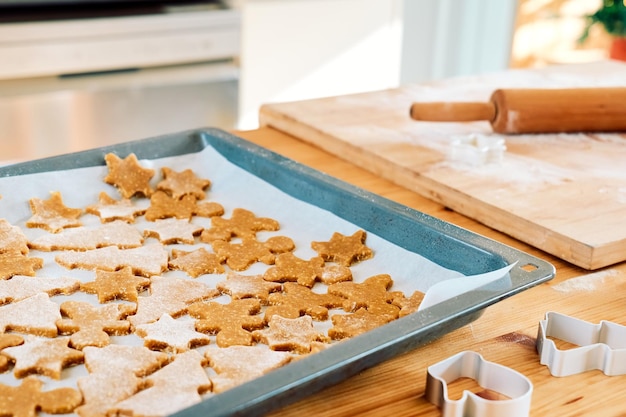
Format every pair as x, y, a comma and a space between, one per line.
345, 250
116, 285
52, 214
197, 262
12, 264
294, 335
173, 230
178, 184
110, 209
248, 286
168, 333
128, 176
44, 356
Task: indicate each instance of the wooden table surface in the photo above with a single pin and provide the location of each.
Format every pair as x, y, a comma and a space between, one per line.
504, 334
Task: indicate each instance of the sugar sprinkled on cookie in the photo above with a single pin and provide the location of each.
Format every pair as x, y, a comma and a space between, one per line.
170, 295
147, 260
354, 324
34, 315
126, 365
43, 356
52, 214
173, 230
295, 335
178, 184
12, 239
237, 364
110, 209
116, 233
167, 391
248, 286
21, 287
168, 334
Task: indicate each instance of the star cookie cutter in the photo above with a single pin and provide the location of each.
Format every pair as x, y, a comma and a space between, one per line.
601, 346
477, 149
488, 375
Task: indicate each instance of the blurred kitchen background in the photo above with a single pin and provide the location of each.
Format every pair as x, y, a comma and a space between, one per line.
76, 74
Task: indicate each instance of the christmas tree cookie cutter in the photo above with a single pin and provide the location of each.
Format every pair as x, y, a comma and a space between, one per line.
488, 375
601, 346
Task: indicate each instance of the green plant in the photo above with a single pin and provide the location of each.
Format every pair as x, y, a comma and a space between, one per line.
611, 15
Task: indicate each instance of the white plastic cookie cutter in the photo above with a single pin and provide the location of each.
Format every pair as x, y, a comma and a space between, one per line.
477, 149
488, 375
601, 346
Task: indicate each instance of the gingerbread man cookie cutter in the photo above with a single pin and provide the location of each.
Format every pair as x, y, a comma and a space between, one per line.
601, 346
488, 375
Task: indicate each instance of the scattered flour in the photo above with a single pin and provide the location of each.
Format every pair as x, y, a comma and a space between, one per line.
589, 282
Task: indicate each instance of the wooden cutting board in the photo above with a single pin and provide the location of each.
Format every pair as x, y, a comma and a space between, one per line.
562, 193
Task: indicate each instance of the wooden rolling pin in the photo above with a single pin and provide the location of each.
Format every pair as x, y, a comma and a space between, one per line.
536, 110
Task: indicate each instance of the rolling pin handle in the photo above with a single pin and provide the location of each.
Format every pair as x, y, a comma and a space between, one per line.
453, 111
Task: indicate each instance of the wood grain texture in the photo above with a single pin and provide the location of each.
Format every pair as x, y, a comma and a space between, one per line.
505, 333
457, 111
563, 193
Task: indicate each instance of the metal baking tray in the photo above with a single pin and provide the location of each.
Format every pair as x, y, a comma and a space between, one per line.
443, 243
